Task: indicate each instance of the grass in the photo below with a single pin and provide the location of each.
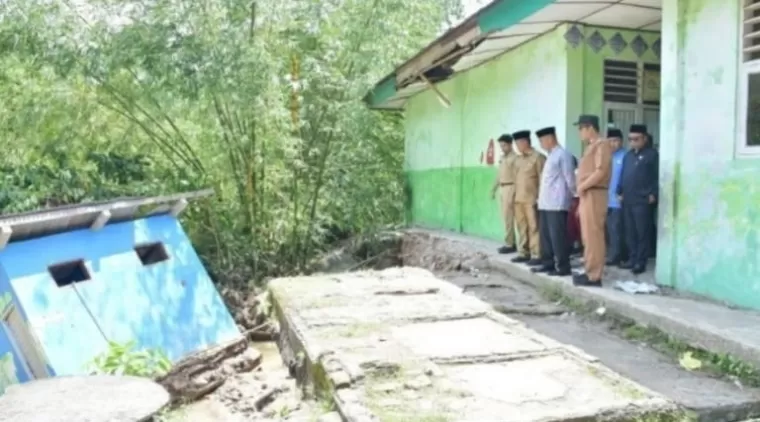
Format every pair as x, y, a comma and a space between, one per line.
723, 365
676, 416
623, 388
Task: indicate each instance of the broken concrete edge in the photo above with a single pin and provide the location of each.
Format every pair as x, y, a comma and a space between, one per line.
618, 309
332, 380
310, 366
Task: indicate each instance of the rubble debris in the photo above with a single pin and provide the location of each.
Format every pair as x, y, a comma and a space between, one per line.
202, 373
251, 313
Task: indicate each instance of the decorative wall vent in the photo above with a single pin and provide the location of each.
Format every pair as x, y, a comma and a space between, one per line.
618, 43
596, 41
656, 46
639, 46
574, 36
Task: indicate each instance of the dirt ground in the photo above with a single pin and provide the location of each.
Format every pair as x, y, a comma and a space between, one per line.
713, 398
270, 383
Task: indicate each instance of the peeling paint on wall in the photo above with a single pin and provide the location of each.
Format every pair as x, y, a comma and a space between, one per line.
448, 152
709, 220
711, 226
545, 82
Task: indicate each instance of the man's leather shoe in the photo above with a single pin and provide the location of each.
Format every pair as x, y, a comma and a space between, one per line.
507, 249
583, 281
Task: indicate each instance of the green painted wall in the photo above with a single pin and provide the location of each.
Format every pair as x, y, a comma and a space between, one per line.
709, 236
593, 63
523, 89
586, 72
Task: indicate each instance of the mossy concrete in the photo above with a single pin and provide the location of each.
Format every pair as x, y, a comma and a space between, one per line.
402, 345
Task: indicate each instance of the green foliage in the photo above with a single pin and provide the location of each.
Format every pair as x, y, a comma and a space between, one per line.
259, 100
123, 359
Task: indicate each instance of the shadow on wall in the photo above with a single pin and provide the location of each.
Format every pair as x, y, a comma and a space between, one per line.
167, 303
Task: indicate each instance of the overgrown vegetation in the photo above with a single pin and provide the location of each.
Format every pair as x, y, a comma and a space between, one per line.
125, 359
260, 100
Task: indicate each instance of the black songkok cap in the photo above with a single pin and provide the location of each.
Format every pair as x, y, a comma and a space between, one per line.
641, 129
546, 131
522, 134
614, 133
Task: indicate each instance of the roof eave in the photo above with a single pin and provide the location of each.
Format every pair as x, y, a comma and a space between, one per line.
496, 16
35, 224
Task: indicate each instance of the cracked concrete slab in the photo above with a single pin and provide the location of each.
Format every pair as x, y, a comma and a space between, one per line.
709, 398
403, 345
465, 338
702, 324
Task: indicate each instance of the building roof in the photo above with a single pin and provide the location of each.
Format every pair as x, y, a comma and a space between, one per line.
95, 215
497, 28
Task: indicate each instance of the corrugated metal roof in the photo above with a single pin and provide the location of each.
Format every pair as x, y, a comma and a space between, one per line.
27, 225
499, 27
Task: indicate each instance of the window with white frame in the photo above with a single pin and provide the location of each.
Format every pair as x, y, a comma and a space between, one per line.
749, 88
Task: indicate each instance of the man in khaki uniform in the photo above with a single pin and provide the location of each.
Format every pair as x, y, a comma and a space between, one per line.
593, 175
530, 164
505, 182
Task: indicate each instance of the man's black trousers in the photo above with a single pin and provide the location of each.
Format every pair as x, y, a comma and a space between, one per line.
639, 222
554, 247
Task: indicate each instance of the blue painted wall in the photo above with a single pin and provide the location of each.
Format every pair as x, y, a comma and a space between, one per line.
12, 369
171, 305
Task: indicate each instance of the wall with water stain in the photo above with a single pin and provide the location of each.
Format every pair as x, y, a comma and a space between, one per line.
709, 236
548, 81
448, 165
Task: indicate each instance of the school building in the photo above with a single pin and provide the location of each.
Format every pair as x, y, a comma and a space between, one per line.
689, 69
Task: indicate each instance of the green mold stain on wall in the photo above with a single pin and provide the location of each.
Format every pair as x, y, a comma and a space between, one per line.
447, 148
714, 231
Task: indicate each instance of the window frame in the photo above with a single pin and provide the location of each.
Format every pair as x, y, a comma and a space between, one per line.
746, 70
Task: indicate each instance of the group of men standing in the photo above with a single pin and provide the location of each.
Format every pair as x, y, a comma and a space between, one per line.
615, 190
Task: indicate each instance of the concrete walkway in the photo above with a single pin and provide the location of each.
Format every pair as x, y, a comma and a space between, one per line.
708, 398
401, 345
700, 323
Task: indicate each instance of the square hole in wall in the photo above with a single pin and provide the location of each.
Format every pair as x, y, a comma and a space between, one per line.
67, 273
152, 253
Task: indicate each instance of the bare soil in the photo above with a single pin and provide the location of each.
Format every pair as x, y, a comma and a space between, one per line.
268, 393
